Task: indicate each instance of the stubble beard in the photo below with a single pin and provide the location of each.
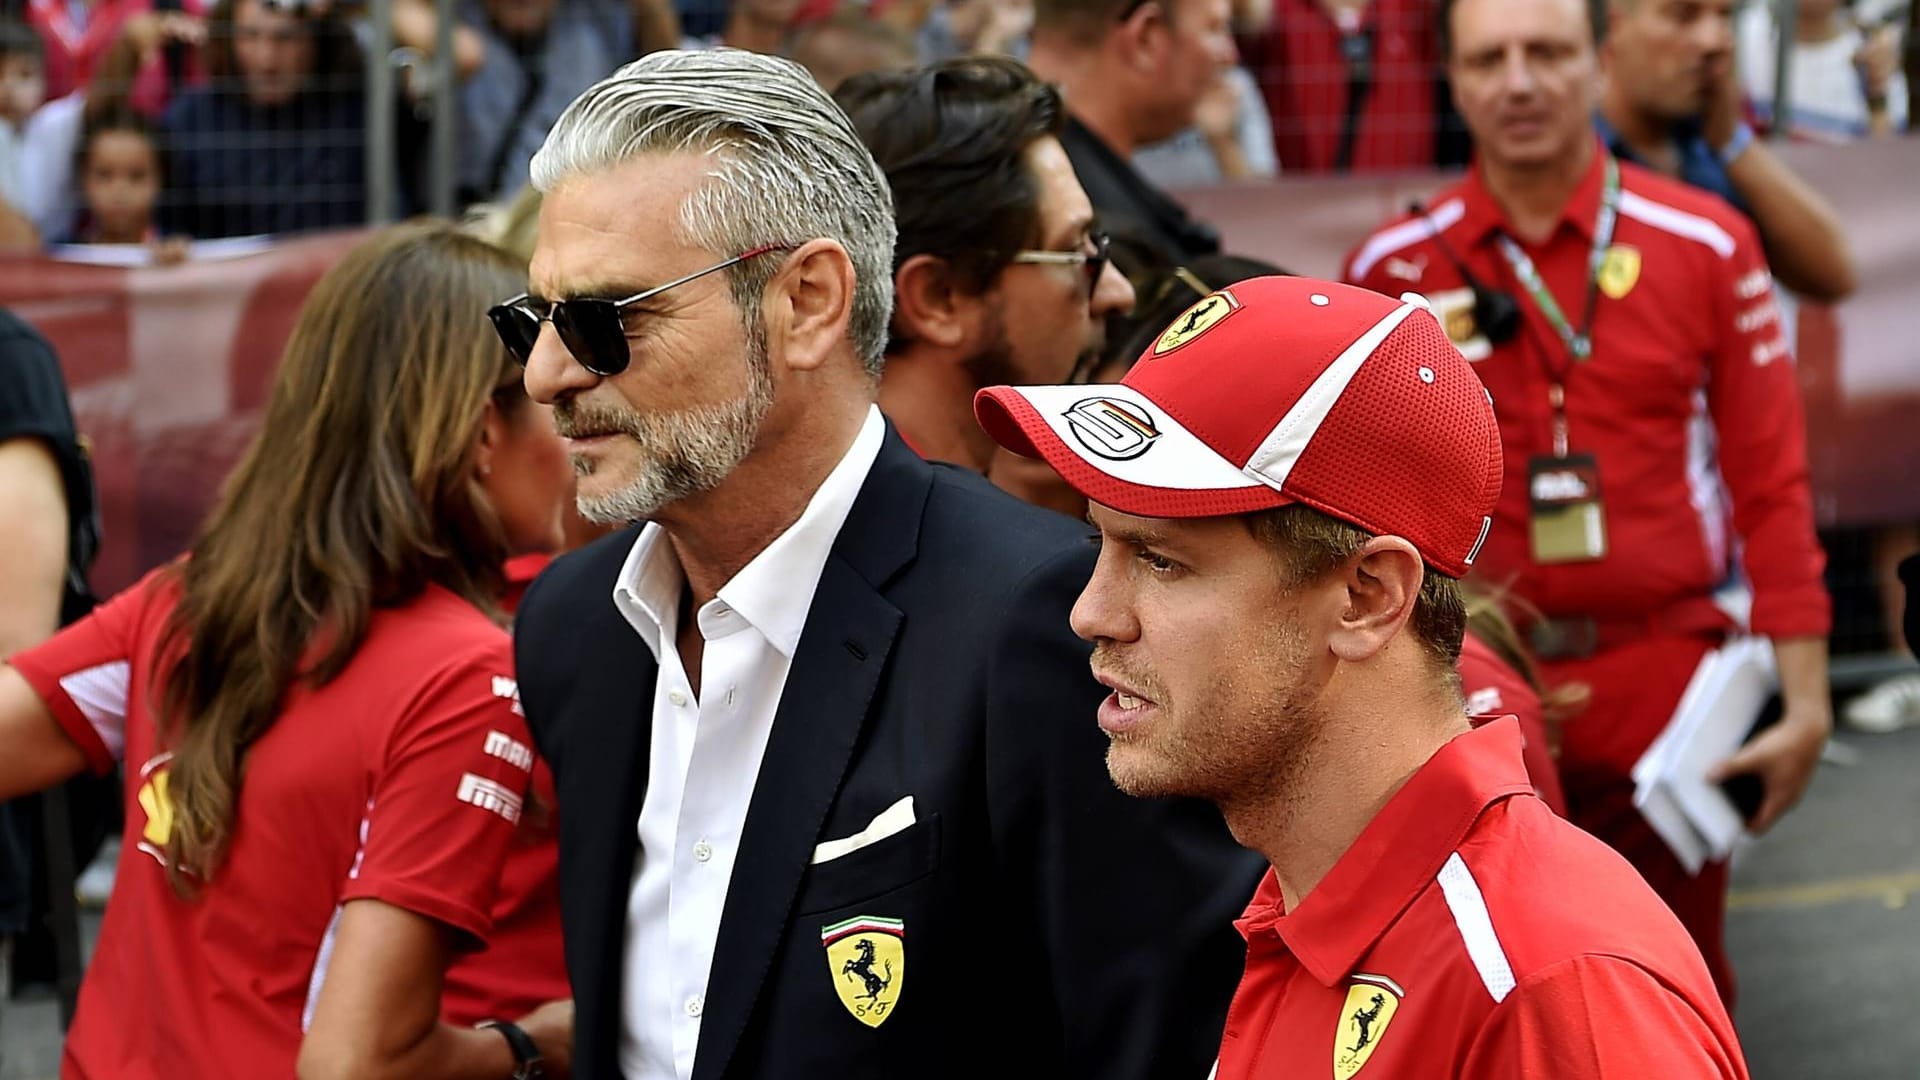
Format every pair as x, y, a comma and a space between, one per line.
1241, 746
680, 453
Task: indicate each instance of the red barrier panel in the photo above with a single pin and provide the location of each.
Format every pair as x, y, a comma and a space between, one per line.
169, 367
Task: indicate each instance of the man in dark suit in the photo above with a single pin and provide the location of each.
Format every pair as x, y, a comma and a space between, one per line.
832, 797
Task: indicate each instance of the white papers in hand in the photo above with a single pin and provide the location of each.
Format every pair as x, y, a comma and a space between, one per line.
1693, 815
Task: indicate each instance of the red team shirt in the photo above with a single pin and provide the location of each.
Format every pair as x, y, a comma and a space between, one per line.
401, 780
1690, 402
1469, 932
1493, 689
524, 964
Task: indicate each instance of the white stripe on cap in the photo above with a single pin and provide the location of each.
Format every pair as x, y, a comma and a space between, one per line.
1476, 927
1275, 458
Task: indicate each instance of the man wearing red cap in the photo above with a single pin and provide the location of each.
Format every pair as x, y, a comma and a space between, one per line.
1288, 486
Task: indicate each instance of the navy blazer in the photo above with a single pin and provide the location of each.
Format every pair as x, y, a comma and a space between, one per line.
1047, 925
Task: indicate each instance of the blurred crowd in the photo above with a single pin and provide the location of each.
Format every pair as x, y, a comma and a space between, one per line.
134, 122
412, 479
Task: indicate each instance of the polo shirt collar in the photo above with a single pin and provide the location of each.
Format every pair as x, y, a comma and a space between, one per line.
1397, 856
1483, 216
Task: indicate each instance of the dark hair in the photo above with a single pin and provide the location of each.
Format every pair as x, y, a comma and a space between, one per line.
336, 53
1311, 544
949, 137
19, 39
118, 118
1597, 15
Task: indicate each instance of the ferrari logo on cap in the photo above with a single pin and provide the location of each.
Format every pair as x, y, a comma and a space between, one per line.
1619, 269
1371, 1003
1114, 429
1196, 320
867, 957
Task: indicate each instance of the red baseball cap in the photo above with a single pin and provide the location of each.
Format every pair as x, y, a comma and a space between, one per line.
1281, 390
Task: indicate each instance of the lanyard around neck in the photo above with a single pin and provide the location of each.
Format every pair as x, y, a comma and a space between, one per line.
1579, 342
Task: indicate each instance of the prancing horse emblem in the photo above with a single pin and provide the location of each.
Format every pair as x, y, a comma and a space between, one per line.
868, 958
1371, 1002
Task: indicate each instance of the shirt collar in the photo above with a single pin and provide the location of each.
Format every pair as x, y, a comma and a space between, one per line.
774, 592
1397, 856
1483, 216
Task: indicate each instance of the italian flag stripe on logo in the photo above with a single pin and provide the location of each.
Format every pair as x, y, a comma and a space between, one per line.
863, 924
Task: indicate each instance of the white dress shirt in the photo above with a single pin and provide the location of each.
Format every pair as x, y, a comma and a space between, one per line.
706, 751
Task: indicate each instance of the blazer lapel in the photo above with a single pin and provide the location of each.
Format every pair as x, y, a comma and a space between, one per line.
823, 711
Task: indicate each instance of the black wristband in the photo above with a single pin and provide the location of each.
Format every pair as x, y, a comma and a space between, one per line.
526, 1054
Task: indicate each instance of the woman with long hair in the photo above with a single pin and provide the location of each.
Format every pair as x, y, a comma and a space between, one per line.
316, 710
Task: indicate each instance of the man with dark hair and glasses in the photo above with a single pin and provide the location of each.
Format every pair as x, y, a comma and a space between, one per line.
999, 273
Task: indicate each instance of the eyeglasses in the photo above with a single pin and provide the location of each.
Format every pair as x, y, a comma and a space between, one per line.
1095, 262
590, 329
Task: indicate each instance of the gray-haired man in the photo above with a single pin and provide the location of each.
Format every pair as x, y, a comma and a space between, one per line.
832, 794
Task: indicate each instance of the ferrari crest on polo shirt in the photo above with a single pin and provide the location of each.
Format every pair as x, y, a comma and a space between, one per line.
156, 804
1205, 314
1619, 270
1371, 1003
867, 957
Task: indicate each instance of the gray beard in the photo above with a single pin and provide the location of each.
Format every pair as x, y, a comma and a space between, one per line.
683, 453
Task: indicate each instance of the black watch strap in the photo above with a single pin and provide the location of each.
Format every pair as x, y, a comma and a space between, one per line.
526, 1054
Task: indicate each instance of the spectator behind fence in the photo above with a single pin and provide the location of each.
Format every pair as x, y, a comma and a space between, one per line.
849, 43
1133, 74
1655, 446
999, 272
324, 760
121, 175
276, 141
1305, 473
824, 702
1672, 103
520, 62
1351, 85
23, 87
1845, 80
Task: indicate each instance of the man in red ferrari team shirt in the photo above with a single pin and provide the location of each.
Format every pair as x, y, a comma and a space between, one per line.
1288, 486
1650, 417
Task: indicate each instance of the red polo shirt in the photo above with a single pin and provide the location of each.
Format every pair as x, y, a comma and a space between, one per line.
1492, 689
1470, 932
1305, 80
1689, 403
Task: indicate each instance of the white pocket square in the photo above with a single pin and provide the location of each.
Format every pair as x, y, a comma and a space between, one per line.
895, 818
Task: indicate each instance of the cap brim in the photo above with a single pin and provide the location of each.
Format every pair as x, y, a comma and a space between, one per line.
1117, 447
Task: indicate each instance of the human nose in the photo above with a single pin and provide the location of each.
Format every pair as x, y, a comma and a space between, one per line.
1112, 294
1101, 613
552, 372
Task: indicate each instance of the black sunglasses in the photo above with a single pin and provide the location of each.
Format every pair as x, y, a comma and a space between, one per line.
1094, 263
590, 329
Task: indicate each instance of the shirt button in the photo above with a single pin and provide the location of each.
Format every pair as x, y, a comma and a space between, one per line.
722, 610
695, 1006
679, 699
702, 851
